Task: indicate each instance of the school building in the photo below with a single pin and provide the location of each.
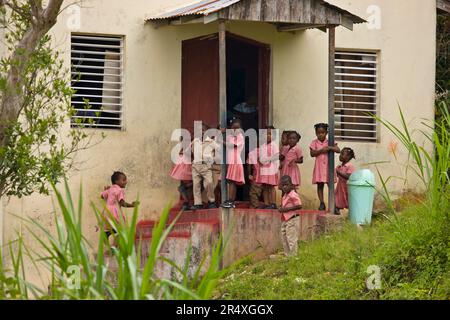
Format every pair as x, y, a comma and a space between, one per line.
150, 67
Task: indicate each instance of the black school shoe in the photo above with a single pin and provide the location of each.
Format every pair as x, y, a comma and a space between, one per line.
228, 204
272, 206
322, 207
211, 205
197, 207
185, 206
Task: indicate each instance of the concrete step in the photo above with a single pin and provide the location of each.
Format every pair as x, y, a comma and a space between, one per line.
200, 236
195, 215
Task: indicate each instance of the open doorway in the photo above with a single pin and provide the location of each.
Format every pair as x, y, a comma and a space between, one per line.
246, 93
248, 74
242, 83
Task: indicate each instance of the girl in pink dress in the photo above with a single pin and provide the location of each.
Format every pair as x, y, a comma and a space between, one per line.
235, 171
292, 155
284, 146
343, 173
268, 174
182, 171
115, 198
319, 149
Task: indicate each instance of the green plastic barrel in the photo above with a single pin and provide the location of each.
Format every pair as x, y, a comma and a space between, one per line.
361, 192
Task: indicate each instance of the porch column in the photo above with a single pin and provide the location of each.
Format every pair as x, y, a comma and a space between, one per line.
223, 101
331, 72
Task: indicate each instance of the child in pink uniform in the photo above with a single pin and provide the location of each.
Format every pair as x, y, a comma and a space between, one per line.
182, 171
270, 159
115, 198
235, 170
284, 146
290, 206
292, 155
319, 149
343, 173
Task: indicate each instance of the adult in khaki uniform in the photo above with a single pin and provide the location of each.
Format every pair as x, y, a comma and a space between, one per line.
202, 171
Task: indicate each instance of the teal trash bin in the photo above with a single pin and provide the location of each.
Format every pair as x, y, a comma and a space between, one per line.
361, 192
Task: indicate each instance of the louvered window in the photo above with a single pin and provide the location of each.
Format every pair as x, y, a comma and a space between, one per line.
96, 77
356, 96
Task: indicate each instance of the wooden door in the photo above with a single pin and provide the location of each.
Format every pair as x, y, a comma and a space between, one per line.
200, 82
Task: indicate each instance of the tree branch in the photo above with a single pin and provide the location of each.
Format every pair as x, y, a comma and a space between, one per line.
12, 98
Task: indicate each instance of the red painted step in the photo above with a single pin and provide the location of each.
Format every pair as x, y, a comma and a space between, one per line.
172, 234
195, 215
144, 229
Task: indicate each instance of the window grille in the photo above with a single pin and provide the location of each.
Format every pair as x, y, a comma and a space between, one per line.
96, 78
356, 96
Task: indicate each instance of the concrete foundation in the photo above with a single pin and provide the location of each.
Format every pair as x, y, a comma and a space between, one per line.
246, 232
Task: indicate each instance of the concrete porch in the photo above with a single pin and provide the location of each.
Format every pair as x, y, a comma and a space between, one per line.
254, 232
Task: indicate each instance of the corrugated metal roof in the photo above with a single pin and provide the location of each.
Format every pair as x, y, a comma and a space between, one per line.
206, 7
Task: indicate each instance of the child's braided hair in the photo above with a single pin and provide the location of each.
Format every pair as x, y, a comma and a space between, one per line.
350, 152
236, 120
322, 125
299, 136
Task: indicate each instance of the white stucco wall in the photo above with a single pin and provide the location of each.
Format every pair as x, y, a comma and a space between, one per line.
152, 93
406, 47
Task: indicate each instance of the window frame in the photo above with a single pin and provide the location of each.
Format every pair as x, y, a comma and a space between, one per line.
376, 109
120, 83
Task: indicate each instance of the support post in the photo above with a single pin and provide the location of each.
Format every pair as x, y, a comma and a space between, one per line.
331, 72
223, 100
223, 124
2, 218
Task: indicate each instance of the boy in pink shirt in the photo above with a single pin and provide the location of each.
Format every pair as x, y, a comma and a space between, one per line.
290, 206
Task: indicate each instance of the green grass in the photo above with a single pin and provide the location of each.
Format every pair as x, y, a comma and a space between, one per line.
414, 265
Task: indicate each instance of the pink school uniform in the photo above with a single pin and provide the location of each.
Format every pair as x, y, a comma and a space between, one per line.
341, 193
283, 151
113, 196
182, 170
235, 170
253, 160
269, 154
289, 200
320, 173
289, 167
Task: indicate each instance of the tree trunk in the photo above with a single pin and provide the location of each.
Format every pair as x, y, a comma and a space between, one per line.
42, 21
